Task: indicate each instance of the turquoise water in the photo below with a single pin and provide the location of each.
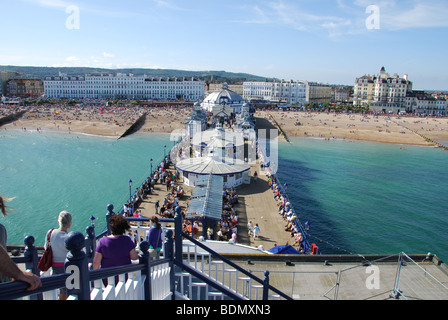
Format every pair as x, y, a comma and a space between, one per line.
48, 173
358, 197
365, 198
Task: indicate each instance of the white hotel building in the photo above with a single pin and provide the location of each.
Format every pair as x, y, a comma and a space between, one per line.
284, 91
123, 86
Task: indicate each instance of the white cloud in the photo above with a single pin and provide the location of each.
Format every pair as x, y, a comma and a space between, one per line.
108, 55
168, 5
399, 15
72, 59
51, 3
294, 16
422, 15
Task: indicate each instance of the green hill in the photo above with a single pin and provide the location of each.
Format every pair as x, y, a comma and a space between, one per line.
218, 76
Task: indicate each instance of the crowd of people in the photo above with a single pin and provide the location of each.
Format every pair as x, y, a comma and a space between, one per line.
287, 213
229, 218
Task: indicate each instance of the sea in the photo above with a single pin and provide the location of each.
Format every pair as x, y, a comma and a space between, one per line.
358, 197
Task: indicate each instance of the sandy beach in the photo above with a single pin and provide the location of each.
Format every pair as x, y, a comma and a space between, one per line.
383, 128
114, 121
102, 121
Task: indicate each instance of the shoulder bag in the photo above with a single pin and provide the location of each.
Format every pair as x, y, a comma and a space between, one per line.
46, 261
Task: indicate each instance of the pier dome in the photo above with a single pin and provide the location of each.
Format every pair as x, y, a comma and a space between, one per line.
224, 97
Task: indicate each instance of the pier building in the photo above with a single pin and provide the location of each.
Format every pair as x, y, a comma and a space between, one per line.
223, 103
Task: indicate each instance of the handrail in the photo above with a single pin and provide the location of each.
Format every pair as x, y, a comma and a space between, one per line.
237, 267
16, 290
209, 281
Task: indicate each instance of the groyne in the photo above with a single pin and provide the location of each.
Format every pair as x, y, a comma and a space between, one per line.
279, 128
134, 127
11, 117
435, 143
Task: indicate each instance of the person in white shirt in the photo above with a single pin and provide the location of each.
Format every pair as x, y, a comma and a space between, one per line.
57, 243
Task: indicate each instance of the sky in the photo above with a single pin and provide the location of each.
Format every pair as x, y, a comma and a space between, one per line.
328, 41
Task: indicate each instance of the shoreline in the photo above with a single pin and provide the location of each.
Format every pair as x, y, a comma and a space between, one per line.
391, 129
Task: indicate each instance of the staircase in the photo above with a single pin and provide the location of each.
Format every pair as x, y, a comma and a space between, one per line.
206, 275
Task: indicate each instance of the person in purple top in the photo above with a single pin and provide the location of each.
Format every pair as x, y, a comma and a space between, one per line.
117, 249
155, 235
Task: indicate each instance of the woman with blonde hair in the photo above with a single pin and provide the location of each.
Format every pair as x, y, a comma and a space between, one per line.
56, 239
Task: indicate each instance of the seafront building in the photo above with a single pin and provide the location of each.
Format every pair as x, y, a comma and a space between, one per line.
422, 103
281, 92
382, 92
123, 86
318, 93
288, 92
24, 88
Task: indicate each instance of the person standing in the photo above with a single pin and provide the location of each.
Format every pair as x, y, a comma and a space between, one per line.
117, 249
155, 236
56, 239
250, 228
156, 205
256, 231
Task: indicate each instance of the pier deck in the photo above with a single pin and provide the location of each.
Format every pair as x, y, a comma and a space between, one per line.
255, 203
307, 280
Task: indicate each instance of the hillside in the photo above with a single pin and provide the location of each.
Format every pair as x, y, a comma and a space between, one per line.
220, 76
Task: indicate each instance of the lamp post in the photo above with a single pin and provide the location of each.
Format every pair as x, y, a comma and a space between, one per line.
92, 221
164, 151
150, 160
130, 190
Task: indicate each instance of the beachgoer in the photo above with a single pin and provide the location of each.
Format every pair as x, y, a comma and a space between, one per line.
209, 233
156, 205
57, 242
250, 228
155, 235
256, 231
117, 249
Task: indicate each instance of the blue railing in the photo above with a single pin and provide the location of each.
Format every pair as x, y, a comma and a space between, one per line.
82, 282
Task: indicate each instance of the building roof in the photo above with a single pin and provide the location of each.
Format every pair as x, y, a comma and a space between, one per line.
217, 138
226, 96
206, 201
209, 165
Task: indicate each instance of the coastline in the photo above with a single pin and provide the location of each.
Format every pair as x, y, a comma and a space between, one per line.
392, 129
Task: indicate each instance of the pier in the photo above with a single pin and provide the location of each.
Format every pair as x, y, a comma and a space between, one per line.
194, 268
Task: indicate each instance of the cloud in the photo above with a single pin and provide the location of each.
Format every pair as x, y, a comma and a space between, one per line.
400, 15
295, 16
422, 15
347, 17
168, 5
50, 3
72, 59
108, 55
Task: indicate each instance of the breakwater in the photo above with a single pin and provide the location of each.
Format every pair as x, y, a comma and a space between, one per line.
429, 140
135, 126
279, 128
11, 118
